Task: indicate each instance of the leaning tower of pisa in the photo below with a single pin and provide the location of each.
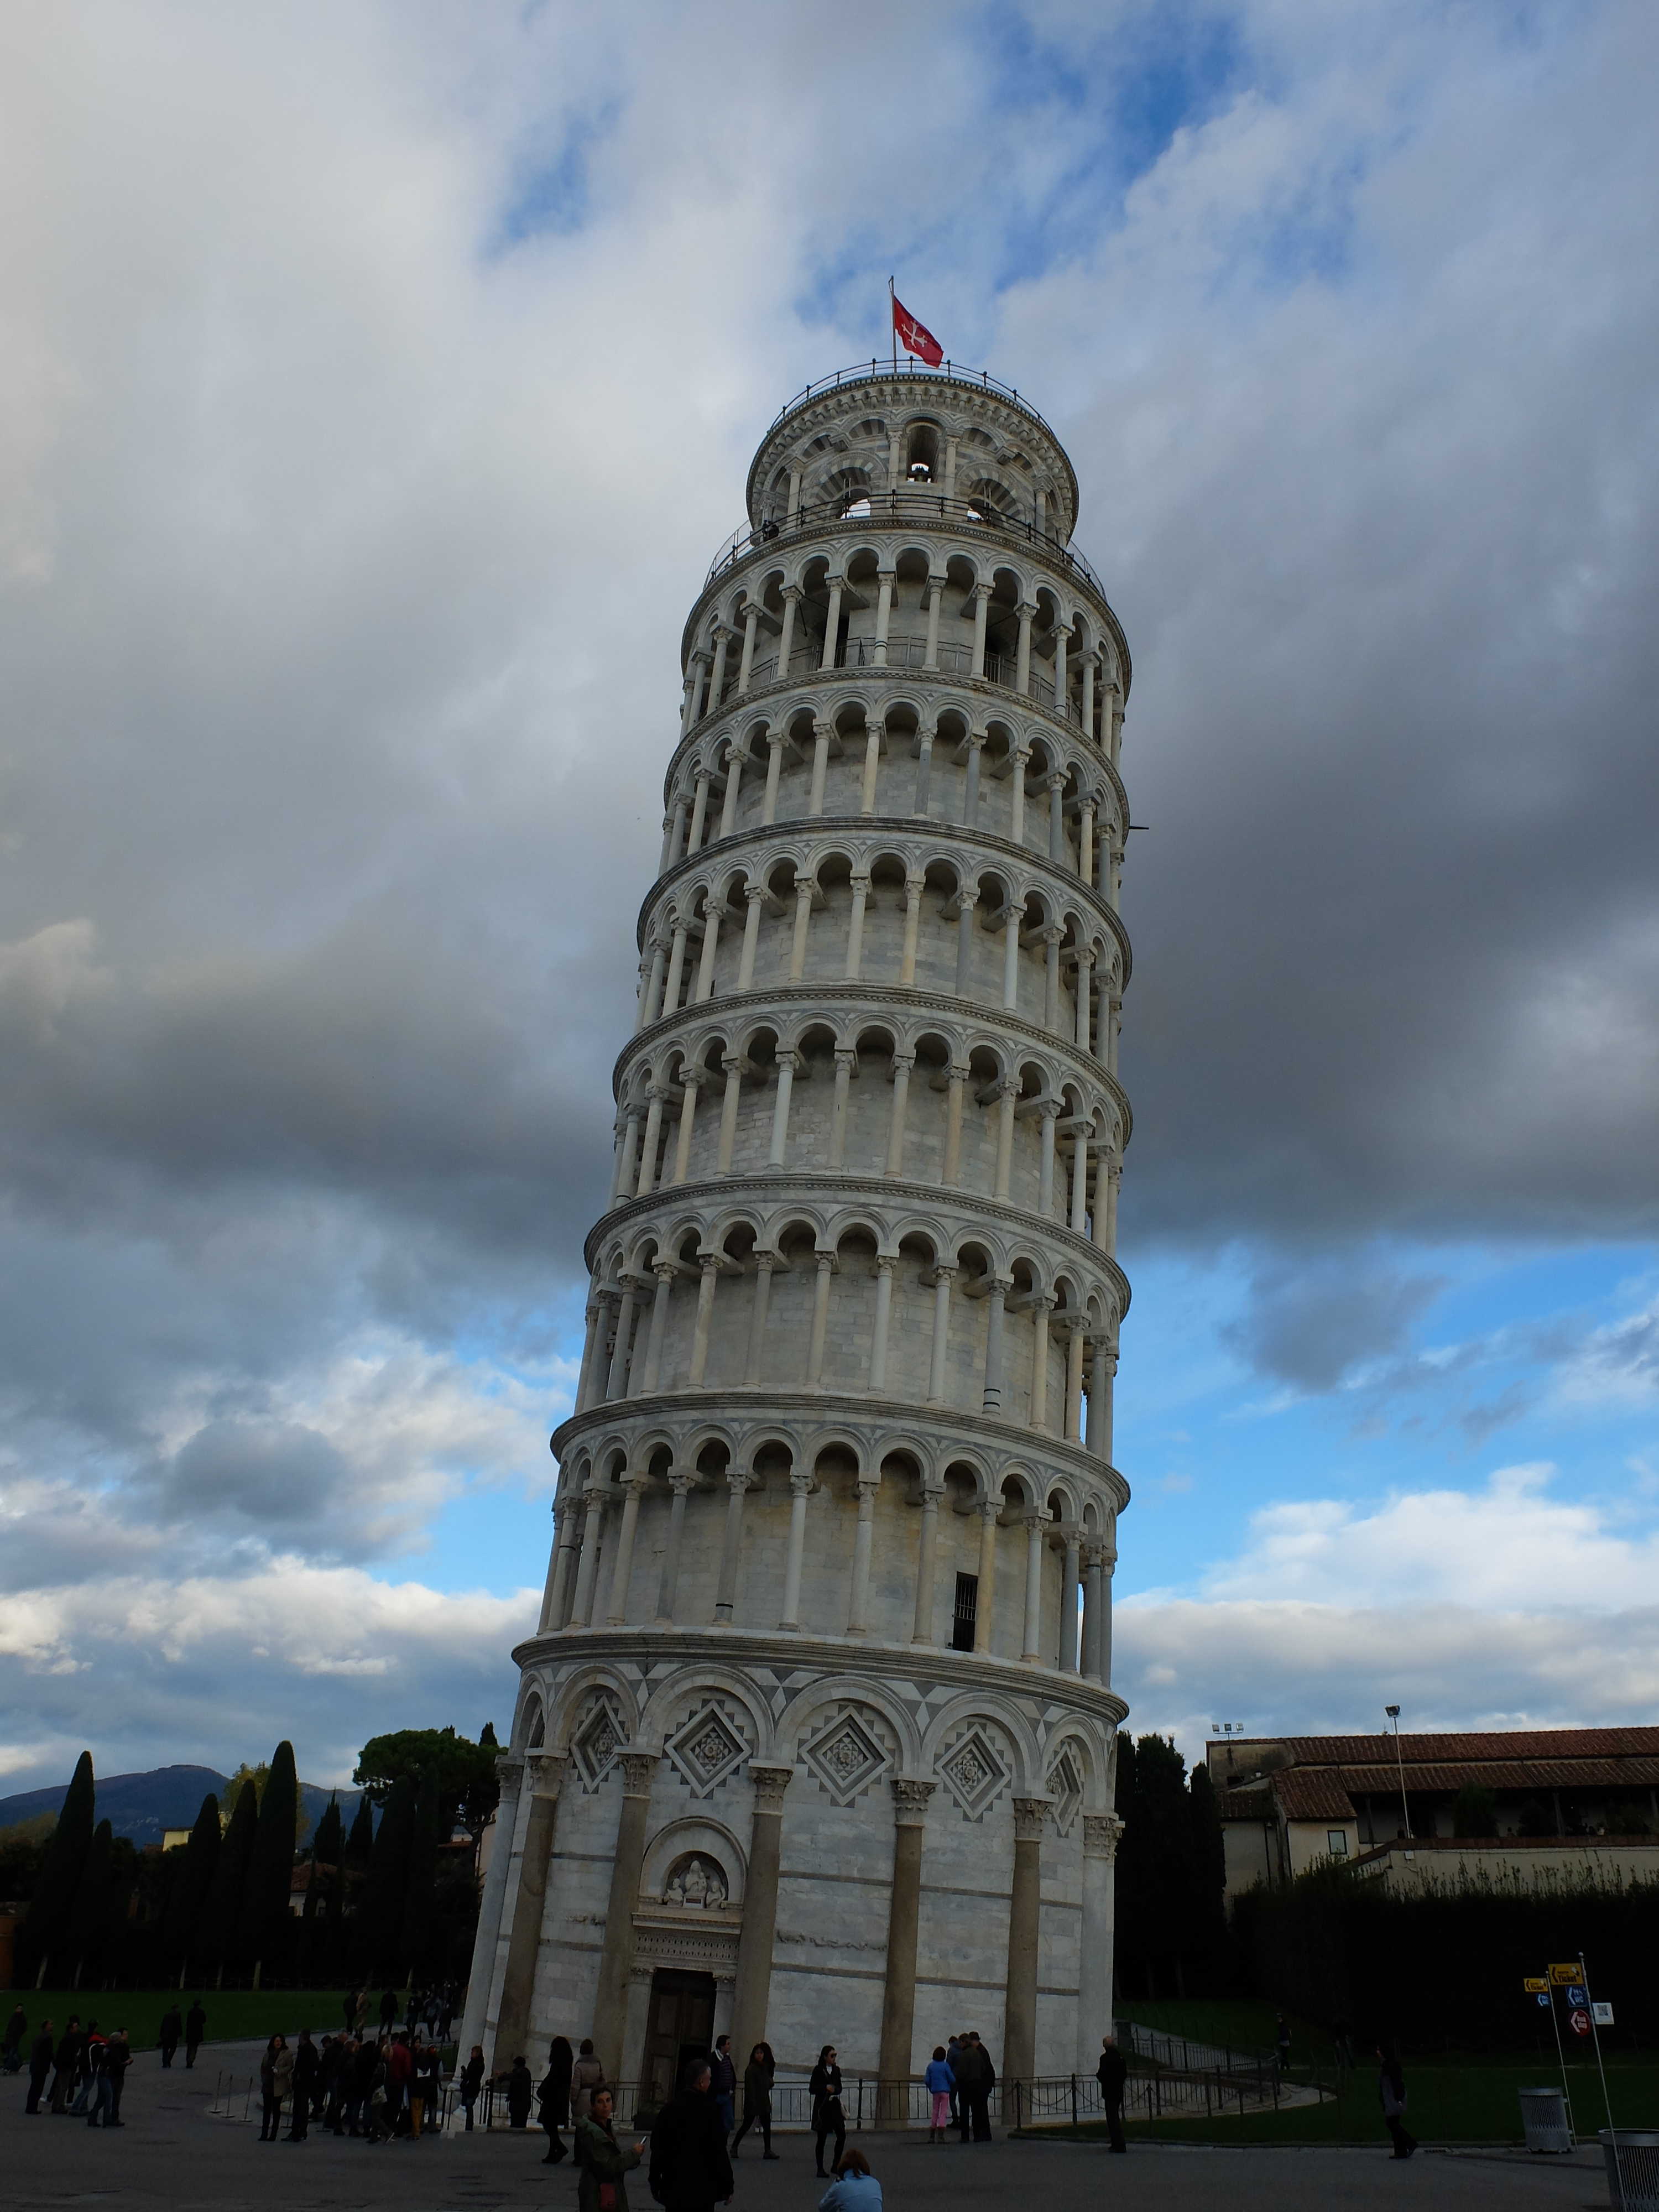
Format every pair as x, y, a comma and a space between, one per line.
814, 1741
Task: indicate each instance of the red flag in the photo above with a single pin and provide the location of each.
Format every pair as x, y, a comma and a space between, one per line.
915, 338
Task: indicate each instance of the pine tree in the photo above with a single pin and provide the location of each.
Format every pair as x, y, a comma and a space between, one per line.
431, 1806
360, 1842
385, 1893
261, 1924
320, 1918
62, 1865
215, 1934
193, 1877
87, 1935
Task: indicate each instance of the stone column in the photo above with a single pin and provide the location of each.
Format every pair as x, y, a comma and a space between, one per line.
617, 1958
886, 1263
1022, 657
1089, 696
820, 1320
1085, 961
628, 1135
800, 1487
1034, 1524
787, 1063
898, 1996
943, 1279
1041, 1309
657, 1094
1100, 1400
930, 652
725, 1594
699, 812
1101, 1832
845, 1058
594, 1508
804, 889
1055, 785
690, 1081
1017, 805
1014, 921
989, 1514
745, 666
902, 1064
1093, 1597
736, 1067
774, 744
486, 1943
1068, 1620
872, 769
855, 928
552, 1588
970, 781
617, 1380
1103, 988
981, 594
736, 760
711, 1269
996, 1294
1008, 1092
867, 1486
1051, 937
821, 736
967, 900
884, 613
1085, 838
671, 991
950, 1166
926, 1543
912, 928
752, 1996
593, 1316
723, 637
678, 1483
1024, 1915
832, 625
1050, 1112
1062, 677
650, 998
664, 1271
713, 912
792, 599
924, 769
547, 1772
1079, 1174
754, 898
764, 1263
1074, 1382
1109, 1567
633, 1490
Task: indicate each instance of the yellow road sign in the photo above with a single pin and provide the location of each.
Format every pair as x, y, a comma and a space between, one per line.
1561, 1975
1534, 1985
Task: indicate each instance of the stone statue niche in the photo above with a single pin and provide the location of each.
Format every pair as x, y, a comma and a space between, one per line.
697, 1882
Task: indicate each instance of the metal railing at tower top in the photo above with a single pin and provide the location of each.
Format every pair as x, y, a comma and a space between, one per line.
880, 371
914, 507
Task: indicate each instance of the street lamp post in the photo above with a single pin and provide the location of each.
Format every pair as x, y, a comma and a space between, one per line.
1392, 1712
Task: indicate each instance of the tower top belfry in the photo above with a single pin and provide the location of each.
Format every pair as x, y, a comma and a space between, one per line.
825, 1645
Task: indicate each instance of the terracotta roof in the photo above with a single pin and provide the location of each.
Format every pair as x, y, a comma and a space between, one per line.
1246, 1805
1316, 1795
1515, 1774
1570, 1744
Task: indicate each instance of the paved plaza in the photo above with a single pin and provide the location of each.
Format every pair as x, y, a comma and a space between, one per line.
174, 2155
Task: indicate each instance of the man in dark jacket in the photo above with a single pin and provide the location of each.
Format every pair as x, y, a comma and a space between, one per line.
975, 2077
172, 2029
68, 2063
689, 2169
306, 2063
195, 2029
723, 2082
1112, 2073
39, 2066
362, 2086
118, 2057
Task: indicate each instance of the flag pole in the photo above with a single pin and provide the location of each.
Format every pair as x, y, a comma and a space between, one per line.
892, 321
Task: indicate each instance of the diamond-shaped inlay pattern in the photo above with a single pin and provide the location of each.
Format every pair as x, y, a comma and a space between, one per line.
846, 1759
1065, 1787
705, 1750
598, 1740
974, 1774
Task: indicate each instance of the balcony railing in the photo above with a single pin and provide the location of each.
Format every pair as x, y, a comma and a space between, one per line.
881, 372
903, 653
914, 507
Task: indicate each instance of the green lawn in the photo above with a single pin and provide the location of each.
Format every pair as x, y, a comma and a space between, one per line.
233, 2015
1473, 2103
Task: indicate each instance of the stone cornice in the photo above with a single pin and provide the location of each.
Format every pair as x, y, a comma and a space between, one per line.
885, 829
814, 1186
800, 1410
833, 1655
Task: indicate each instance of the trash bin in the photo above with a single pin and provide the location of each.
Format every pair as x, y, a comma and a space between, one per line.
1636, 2167
1544, 2116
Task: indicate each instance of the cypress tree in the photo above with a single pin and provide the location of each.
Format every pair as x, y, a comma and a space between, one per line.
61, 1864
215, 1933
360, 1842
87, 1935
386, 1890
430, 1805
193, 1877
262, 1923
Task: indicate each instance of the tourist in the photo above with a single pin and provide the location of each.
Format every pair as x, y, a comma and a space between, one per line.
1284, 2041
954, 2047
67, 2061
553, 2098
338, 2053
377, 2111
171, 2030
388, 2011
603, 2161
304, 2081
194, 2028
1112, 2074
724, 2076
586, 2077
89, 2067
828, 2117
975, 2079
399, 2071
349, 2010
940, 2081
16, 2028
98, 2095
426, 2089
39, 2066
275, 2078
757, 2098
364, 2067
854, 2188
118, 2057
445, 2014
1391, 2088
472, 2075
690, 2171
521, 2090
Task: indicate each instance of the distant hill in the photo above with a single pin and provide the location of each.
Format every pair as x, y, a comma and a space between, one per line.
144, 1805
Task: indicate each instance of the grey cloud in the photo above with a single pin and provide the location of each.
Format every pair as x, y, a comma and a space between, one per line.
1310, 1325
270, 1472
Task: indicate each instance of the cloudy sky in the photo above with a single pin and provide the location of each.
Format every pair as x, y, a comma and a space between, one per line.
375, 383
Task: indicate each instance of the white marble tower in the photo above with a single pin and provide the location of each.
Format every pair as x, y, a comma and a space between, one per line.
815, 1739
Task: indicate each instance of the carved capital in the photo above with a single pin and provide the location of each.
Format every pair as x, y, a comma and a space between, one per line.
770, 1783
638, 1767
910, 1798
1030, 1814
547, 1771
1101, 1835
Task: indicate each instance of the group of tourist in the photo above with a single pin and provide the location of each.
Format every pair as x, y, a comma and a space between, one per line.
370, 2087
88, 2067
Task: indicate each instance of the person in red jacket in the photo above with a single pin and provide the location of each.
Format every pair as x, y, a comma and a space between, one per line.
399, 2067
